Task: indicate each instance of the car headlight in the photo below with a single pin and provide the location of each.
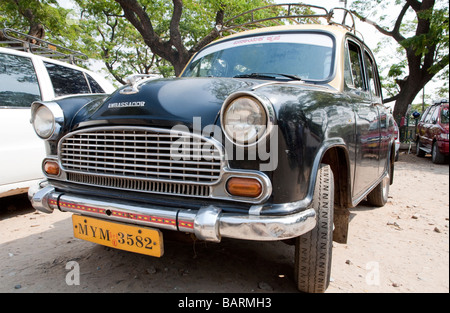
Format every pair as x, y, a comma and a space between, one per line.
244, 120
44, 122
47, 119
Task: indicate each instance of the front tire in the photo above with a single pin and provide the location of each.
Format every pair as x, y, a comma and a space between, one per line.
436, 156
419, 152
379, 196
313, 250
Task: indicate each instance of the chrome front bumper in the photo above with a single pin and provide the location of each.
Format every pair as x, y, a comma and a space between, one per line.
208, 223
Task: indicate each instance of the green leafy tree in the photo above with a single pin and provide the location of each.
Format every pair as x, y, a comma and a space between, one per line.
108, 36
175, 30
136, 36
44, 19
423, 41
169, 32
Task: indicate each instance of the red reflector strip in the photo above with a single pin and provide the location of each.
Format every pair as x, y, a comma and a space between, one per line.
78, 207
132, 216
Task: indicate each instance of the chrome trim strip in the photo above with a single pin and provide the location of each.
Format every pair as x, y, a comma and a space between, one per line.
208, 223
267, 227
296, 82
154, 216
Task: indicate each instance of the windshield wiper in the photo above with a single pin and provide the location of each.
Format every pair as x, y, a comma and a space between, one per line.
267, 76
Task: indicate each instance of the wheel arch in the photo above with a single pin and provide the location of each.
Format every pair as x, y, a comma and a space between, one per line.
337, 157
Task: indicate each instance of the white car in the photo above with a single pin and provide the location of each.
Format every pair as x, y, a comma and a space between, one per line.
24, 78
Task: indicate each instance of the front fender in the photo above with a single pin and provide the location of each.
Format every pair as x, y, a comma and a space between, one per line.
300, 205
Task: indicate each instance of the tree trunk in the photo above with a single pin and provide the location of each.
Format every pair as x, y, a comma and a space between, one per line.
173, 50
37, 30
424, 61
180, 62
406, 97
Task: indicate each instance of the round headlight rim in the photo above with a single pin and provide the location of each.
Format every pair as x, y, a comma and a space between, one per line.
58, 118
52, 122
249, 141
262, 103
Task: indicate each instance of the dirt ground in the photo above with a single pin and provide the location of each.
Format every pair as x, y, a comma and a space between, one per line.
402, 247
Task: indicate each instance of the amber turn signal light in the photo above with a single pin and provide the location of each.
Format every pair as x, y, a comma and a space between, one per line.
244, 187
51, 168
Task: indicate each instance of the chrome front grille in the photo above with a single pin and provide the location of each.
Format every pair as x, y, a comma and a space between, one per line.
131, 157
141, 185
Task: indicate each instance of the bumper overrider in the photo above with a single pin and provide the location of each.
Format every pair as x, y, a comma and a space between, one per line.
208, 223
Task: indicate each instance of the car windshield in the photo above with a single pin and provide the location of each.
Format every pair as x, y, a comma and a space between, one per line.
305, 56
444, 116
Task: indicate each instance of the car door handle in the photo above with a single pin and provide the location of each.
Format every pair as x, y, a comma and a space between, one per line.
374, 104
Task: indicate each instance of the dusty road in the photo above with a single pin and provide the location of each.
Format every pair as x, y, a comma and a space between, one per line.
402, 247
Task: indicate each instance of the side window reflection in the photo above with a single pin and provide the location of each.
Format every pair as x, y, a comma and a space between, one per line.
18, 81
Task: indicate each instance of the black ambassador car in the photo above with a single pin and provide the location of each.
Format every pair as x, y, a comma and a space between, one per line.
268, 134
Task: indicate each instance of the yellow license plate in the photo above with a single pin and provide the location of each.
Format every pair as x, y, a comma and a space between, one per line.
117, 235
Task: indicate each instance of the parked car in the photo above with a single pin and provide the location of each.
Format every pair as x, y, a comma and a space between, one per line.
432, 132
268, 134
26, 77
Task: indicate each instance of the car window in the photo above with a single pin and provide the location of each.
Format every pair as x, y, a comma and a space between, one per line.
444, 116
95, 87
429, 115
353, 76
371, 75
424, 115
18, 81
67, 81
435, 115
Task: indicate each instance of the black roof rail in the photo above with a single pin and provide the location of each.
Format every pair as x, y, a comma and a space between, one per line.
285, 14
23, 42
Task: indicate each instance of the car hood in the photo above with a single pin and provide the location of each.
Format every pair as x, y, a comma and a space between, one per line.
163, 103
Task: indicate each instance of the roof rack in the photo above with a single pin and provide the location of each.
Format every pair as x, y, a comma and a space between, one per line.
23, 42
285, 14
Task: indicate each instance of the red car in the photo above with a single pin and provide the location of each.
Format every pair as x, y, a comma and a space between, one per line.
432, 132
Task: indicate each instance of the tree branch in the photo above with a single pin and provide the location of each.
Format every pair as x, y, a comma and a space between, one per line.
395, 33
138, 17
213, 34
174, 30
36, 28
415, 4
374, 24
391, 99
